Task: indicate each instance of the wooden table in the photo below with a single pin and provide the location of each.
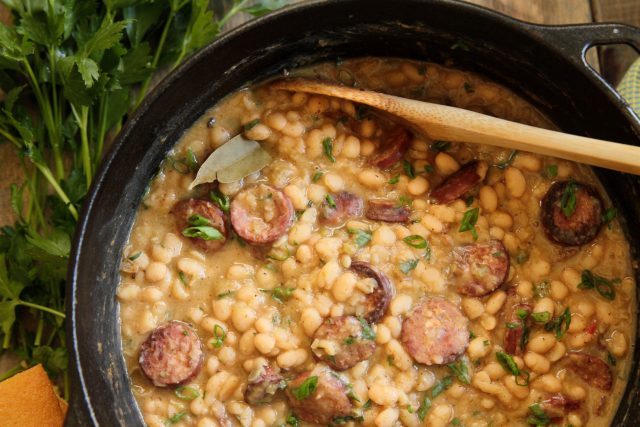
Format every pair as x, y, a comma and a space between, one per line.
538, 11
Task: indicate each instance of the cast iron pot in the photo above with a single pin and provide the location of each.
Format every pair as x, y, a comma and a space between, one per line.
544, 64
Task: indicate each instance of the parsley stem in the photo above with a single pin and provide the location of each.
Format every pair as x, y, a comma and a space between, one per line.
11, 372
81, 120
102, 131
38, 338
46, 172
42, 308
235, 9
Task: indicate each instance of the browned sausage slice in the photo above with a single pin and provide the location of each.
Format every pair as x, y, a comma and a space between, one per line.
387, 210
377, 302
347, 205
582, 225
458, 184
558, 405
186, 209
481, 267
592, 370
260, 214
172, 355
262, 384
395, 145
327, 401
341, 344
435, 332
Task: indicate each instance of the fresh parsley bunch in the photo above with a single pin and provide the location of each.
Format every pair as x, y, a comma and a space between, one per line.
71, 71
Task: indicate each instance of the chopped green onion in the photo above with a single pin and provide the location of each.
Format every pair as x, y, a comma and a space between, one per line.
222, 200
367, 331
538, 417
439, 146
461, 371
560, 325
185, 392
394, 180
183, 278
327, 146
602, 285
506, 163
306, 389
468, 223
317, 176
191, 160
251, 124
135, 256
201, 228
507, 363
174, 419
568, 199
219, 335
415, 241
226, 294
550, 171
408, 265
330, 201
408, 169
293, 421
608, 216
279, 293
541, 317
460, 45
428, 168
361, 237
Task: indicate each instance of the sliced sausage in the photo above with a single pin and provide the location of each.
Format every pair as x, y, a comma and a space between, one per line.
186, 209
341, 344
514, 323
435, 332
481, 267
558, 405
262, 384
592, 370
582, 225
328, 401
387, 210
172, 355
347, 205
458, 184
377, 302
260, 214
395, 145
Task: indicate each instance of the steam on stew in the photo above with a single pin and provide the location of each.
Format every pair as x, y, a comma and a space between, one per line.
344, 270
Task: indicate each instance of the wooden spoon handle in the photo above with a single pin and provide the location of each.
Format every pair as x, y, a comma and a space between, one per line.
456, 124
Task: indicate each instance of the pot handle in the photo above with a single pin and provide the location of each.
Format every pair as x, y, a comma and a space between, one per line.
575, 40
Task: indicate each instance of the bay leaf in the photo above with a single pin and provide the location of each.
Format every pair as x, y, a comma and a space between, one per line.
254, 162
227, 155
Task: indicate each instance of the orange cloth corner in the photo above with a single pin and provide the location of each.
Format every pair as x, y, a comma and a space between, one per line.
28, 400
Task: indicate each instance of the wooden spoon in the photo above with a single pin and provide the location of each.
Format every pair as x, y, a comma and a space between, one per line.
440, 122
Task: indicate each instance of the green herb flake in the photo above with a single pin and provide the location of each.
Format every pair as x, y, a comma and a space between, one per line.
440, 146
522, 256
550, 172
330, 201
293, 421
361, 237
221, 200
611, 359
408, 265
541, 317
608, 216
468, 222
507, 363
394, 180
227, 294
568, 199
461, 371
559, 325
183, 278
135, 256
185, 392
602, 285
456, 422
416, 241
219, 336
327, 147
280, 293
191, 160
317, 176
250, 125
367, 331
404, 201
468, 201
201, 228
349, 340
408, 169
175, 418
367, 405
506, 163
306, 389
472, 335
537, 417
428, 168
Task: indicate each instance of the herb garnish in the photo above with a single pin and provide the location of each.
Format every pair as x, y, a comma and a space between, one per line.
608, 216
468, 222
394, 180
135, 256
175, 418
327, 147
408, 265
550, 171
200, 227
317, 176
568, 199
330, 201
222, 200
541, 317
367, 331
226, 294
461, 371
537, 416
611, 359
185, 392
599, 283
280, 293
434, 392
560, 325
250, 125
219, 335
306, 389
416, 241
293, 421
509, 365
361, 237
439, 146
504, 164
408, 169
